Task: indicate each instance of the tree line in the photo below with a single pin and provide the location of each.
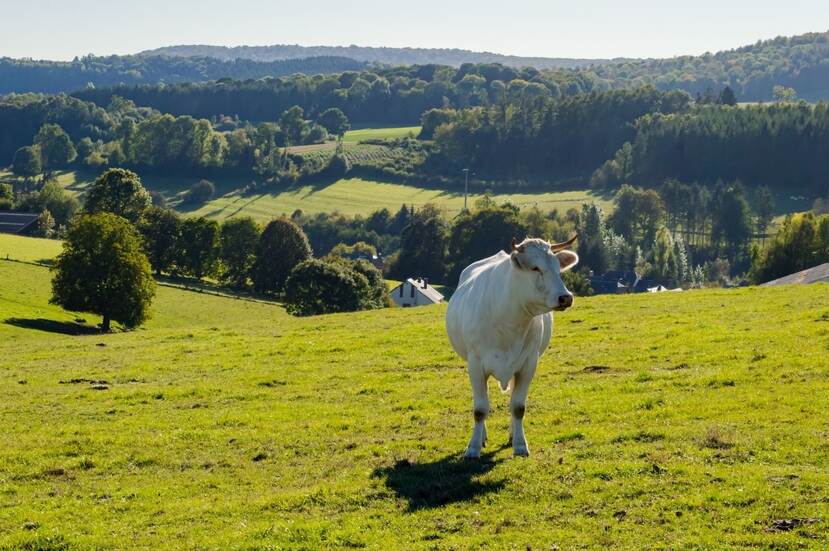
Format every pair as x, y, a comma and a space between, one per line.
783, 146
28, 75
120, 238
797, 62
396, 95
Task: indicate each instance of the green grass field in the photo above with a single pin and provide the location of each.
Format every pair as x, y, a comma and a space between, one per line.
348, 196
681, 420
28, 249
358, 196
360, 134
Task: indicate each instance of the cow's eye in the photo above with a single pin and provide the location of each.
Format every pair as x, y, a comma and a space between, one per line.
536, 269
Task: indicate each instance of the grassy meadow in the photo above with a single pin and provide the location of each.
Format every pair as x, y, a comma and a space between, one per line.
678, 420
380, 133
348, 196
360, 196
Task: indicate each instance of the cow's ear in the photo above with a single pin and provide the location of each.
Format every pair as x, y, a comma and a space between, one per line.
567, 259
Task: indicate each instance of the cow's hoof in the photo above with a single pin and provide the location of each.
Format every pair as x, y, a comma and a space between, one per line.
472, 454
521, 451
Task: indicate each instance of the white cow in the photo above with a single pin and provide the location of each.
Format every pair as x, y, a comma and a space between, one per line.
499, 322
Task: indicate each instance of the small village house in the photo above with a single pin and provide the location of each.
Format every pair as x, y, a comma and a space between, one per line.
415, 292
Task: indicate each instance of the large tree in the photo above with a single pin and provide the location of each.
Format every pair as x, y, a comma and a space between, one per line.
56, 148
482, 233
199, 247
423, 244
120, 192
103, 270
292, 122
161, 229
239, 238
334, 121
282, 246
27, 161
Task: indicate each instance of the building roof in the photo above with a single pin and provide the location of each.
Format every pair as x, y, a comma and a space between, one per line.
16, 222
423, 288
812, 275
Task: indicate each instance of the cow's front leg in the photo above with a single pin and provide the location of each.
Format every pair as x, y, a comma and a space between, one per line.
480, 409
518, 405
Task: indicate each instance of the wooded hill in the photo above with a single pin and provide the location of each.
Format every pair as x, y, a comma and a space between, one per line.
798, 62
452, 57
27, 75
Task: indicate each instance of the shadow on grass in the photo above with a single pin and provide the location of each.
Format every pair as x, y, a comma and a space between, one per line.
448, 480
53, 326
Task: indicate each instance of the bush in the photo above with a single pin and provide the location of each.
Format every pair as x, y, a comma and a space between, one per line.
319, 287
200, 192
577, 283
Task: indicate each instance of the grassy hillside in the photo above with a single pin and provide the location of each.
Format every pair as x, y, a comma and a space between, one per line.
691, 418
348, 196
375, 133
358, 196
28, 249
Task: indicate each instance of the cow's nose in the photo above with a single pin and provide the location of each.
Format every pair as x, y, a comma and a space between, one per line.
565, 301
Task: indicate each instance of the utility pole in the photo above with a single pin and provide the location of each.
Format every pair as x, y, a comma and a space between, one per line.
465, 186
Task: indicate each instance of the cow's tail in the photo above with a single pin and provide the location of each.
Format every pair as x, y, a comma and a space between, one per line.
509, 386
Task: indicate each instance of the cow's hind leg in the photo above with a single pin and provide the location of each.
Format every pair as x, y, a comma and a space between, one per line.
480, 409
518, 405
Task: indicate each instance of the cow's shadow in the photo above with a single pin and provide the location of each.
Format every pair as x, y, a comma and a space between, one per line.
447, 480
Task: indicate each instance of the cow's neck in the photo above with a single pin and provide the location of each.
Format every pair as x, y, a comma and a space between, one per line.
514, 310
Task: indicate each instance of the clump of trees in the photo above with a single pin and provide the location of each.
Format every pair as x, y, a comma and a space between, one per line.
801, 243
103, 270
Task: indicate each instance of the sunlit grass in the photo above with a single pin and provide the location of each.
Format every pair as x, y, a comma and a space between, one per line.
693, 418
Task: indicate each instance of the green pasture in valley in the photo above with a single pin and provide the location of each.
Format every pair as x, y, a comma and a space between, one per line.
359, 196
683, 420
29, 249
360, 134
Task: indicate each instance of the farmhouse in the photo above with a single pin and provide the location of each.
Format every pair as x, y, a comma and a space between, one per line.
20, 223
812, 275
415, 292
617, 282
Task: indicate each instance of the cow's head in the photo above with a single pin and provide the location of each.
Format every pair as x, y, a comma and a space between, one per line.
541, 265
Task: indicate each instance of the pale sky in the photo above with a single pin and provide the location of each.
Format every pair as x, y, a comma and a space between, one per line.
62, 29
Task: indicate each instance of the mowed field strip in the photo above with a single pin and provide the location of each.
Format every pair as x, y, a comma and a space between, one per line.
359, 196
692, 418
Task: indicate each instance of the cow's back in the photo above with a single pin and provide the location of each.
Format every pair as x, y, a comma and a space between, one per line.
469, 300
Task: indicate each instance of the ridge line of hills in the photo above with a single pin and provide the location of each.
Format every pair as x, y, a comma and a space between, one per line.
370, 54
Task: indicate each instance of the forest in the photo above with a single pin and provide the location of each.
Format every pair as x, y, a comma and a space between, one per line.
27, 75
798, 62
416, 79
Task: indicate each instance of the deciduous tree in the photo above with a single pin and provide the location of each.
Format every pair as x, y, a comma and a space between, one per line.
103, 270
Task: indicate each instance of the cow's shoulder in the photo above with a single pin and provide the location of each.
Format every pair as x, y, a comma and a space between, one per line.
476, 268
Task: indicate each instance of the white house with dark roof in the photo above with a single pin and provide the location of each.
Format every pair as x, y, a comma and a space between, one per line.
415, 292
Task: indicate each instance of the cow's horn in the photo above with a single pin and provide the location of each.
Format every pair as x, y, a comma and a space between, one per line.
556, 247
